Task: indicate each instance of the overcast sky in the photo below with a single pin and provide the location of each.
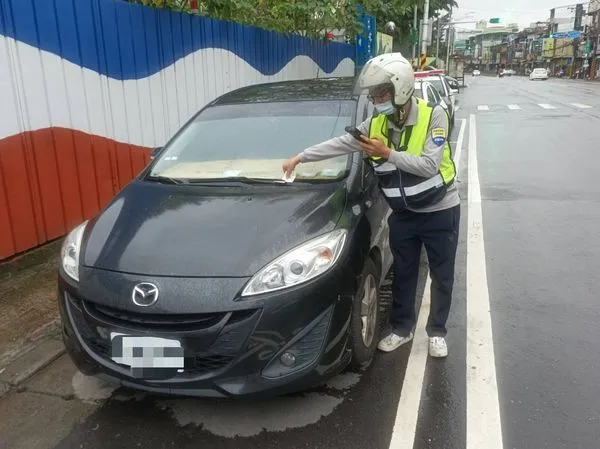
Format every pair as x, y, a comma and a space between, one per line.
512, 11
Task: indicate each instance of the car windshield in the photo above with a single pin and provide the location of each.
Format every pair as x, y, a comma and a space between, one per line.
253, 140
438, 85
539, 70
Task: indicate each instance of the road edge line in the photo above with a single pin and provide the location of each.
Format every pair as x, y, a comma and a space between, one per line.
484, 427
459, 144
407, 415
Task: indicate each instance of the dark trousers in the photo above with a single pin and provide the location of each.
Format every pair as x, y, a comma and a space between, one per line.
438, 232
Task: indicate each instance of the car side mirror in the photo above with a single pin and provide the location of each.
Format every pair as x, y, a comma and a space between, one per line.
155, 152
453, 85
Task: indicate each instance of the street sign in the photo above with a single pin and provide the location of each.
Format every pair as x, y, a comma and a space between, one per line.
495, 20
414, 37
366, 43
566, 35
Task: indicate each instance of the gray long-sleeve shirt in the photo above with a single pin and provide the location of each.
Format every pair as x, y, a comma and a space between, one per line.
426, 165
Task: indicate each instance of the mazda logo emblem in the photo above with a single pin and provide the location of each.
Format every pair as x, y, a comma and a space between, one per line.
144, 294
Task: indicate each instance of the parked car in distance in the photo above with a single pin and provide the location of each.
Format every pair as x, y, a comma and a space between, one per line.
476, 73
247, 284
440, 83
426, 91
538, 74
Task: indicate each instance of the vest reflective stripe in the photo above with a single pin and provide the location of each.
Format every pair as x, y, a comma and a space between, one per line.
436, 181
403, 189
392, 193
386, 167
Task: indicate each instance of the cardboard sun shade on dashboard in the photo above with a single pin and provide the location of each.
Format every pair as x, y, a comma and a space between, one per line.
255, 168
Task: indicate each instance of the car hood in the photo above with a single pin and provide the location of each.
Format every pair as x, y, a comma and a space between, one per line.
168, 230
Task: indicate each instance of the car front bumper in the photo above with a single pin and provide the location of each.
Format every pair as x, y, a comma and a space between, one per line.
231, 350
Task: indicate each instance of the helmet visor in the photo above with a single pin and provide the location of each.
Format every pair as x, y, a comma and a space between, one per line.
372, 77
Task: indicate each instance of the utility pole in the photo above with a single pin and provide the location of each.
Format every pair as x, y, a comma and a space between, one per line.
449, 46
437, 45
425, 28
415, 24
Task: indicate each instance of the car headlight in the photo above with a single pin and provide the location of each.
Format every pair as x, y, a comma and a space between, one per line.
69, 253
299, 265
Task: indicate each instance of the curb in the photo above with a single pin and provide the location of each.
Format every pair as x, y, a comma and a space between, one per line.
46, 331
29, 363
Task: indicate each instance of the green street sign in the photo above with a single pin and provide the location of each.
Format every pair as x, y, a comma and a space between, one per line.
495, 20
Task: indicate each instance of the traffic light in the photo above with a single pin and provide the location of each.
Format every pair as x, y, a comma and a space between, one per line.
578, 17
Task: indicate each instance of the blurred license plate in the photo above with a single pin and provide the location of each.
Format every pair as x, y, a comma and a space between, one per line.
142, 352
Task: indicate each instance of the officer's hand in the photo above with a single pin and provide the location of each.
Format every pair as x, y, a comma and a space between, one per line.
290, 165
375, 147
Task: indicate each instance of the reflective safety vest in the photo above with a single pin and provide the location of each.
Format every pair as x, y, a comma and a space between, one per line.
402, 189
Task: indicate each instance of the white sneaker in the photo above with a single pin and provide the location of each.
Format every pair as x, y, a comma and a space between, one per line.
438, 347
393, 341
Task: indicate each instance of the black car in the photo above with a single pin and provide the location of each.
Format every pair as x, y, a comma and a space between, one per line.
209, 275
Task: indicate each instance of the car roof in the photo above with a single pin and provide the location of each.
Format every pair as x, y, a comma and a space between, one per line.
425, 73
337, 88
430, 77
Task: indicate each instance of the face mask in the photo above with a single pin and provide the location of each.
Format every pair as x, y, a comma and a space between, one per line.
386, 108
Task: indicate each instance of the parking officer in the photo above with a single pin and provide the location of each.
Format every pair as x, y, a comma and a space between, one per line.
406, 142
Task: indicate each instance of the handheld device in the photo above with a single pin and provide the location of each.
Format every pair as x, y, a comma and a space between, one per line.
355, 132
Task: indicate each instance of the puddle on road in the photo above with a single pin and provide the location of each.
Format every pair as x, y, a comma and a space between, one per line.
228, 419
344, 381
231, 418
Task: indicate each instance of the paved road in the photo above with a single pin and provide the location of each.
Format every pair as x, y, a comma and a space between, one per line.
524, 364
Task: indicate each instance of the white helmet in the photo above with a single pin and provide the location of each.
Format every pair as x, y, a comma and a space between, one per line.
388, 68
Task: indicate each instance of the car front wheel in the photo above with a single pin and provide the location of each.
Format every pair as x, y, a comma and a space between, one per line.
364, 331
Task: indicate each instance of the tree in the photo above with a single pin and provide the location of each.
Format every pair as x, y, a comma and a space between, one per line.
310, 18
401, 12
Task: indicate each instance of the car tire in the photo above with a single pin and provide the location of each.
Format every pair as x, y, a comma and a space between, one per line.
363, 352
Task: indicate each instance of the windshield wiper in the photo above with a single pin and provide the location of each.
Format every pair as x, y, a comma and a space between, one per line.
242, 179
166, 179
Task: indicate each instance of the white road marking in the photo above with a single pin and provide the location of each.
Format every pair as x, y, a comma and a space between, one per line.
405, 425
484, 427
546, 106
581, 106
483, 107
514, 107
459, 143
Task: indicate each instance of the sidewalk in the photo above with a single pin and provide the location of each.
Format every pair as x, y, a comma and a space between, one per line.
28, 302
